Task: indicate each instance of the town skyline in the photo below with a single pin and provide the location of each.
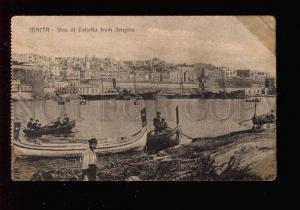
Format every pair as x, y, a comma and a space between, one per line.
222, 41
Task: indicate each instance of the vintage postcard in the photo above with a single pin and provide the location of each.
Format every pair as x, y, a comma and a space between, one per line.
143, 98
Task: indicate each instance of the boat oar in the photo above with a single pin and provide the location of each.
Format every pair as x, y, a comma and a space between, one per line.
177, 115
240, 123
244, 121
52, 121
48, 124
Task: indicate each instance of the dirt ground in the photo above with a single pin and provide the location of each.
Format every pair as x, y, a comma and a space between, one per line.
238, 156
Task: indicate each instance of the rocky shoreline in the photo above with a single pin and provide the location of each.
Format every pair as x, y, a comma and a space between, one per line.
237, 157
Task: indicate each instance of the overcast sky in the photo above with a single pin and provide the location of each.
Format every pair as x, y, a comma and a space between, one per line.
217, 40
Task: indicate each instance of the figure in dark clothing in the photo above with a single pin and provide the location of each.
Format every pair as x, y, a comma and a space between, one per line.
164, 124
65, 119
159, 123
57, 123
39, 126
270, 116
35, 125
30, 123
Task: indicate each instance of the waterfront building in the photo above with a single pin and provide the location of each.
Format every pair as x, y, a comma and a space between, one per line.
156, 77
183, 74
87, 89
254, 91
156, 61
103, 75
49, 91
254, 74
243, 73
229, 73
270, 83
55, 69
72, 74
166, 76
20, 91
142, 76
58, 84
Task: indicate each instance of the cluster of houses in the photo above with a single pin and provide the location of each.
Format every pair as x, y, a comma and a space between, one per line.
74, 72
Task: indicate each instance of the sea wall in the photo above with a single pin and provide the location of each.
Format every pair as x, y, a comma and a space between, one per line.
174, 87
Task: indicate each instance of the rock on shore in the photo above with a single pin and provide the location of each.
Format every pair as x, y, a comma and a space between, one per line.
242, 156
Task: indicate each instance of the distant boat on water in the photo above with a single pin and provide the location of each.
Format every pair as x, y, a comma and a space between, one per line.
253, 100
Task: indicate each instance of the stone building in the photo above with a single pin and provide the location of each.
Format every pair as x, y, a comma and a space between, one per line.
183, 74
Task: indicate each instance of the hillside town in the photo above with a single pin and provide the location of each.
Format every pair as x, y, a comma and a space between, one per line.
143, 98
35, 76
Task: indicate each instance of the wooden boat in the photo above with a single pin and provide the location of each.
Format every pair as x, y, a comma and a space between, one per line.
265, 119
39, 149
163, 140
66, 148
101, 96
50, 130
60, 102
259, 121
253, 100
82, 102
147, 95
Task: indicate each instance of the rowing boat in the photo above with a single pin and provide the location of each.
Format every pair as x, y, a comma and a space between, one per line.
264, 119
253, 100
64, 129
25, 148
162, 140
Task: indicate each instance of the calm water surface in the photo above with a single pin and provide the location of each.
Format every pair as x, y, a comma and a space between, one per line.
112, 118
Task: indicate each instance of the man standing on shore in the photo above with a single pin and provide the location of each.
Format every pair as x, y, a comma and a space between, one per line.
88, 162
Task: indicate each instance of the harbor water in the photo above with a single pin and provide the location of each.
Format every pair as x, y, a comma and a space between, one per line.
114, 118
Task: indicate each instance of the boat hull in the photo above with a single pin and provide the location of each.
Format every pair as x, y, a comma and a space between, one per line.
23, 149
147, 95
157, 142
100, 97
48, 130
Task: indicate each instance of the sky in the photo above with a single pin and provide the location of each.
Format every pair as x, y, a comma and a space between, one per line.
219, 40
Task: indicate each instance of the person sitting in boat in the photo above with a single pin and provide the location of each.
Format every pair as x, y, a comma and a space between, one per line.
65, 119
270, 116
35, 124
39, 126
57, 123
159, 123
88, 161
164, 124
30, 123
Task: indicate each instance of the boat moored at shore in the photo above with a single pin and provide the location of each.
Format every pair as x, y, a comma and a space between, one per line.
39, 149
157, 141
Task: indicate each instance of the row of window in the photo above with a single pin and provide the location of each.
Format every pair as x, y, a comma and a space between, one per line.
22, 88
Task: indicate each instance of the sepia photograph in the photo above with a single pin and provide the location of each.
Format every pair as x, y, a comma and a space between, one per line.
143, 98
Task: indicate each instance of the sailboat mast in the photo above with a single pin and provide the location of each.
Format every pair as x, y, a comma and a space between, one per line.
134, 82
181, 85
255, 108
177, 115
223, 82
